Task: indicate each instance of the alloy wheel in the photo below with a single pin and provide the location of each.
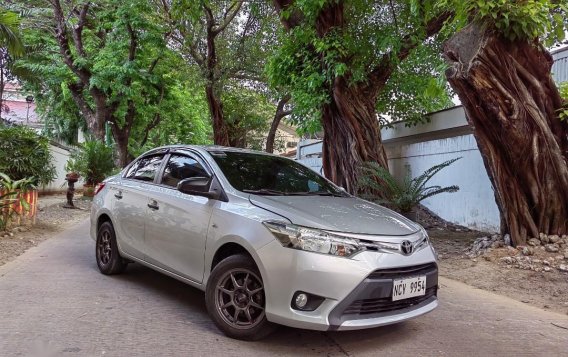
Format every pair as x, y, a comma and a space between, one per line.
239, 298
104, 247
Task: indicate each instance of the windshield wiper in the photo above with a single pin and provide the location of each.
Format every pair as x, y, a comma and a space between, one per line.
265, 191
319, 193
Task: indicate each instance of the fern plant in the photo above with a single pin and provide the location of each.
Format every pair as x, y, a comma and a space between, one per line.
401, 196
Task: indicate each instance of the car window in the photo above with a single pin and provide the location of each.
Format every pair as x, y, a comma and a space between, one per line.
145, 169
273, 175
180, 167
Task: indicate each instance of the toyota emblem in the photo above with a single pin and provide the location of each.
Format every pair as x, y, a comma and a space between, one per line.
406, 247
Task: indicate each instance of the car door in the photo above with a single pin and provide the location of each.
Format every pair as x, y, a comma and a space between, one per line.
131, 204
176, 228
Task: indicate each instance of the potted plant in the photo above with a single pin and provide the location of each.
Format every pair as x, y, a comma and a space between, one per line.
403, 196
93, 161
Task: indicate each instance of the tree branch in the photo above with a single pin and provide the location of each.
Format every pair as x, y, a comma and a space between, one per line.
61, 35
394, 16
294, 18
155, 120
280, 113
153, 65
197, 57
247, 77
380, 74
133, 43
76, 90
227, 20
78, 30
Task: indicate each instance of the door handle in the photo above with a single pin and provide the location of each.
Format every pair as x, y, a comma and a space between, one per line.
153, 205
118, 195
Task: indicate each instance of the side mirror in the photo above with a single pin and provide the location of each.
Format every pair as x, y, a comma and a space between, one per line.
198, 186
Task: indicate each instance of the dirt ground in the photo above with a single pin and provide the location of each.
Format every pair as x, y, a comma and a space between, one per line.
51, 218
543, 289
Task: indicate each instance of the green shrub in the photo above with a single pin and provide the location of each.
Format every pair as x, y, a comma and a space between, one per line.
400, 196
93, 162
25, 155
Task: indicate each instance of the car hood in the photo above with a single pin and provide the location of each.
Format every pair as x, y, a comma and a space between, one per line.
340, 214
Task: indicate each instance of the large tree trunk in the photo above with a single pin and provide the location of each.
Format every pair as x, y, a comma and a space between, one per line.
352, 134
511, 103
121, 140
280, 113
220, 132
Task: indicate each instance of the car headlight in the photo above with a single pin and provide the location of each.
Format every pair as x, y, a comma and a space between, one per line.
426, 240
313, 240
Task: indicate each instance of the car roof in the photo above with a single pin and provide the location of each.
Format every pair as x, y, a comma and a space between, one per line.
208, 149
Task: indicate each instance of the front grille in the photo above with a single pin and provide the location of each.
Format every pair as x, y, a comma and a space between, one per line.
372, 298
397, 273
374, 306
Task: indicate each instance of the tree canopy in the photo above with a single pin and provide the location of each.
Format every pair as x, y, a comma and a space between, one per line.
108, 63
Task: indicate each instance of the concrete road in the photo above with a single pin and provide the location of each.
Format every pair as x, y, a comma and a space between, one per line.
54, 302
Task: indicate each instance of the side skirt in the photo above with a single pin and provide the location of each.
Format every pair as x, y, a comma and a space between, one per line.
164, 271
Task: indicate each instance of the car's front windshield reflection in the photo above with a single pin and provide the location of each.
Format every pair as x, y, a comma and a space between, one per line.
271, 175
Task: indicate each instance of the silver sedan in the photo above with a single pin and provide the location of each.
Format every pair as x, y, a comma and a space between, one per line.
269, 241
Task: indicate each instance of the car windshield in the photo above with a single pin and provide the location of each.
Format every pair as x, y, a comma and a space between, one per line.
271, 175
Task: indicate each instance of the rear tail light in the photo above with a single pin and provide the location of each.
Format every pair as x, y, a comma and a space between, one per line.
99, 187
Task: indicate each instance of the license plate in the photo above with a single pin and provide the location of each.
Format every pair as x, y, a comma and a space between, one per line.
409, 287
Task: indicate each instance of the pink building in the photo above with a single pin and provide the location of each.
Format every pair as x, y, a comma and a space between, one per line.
19, 107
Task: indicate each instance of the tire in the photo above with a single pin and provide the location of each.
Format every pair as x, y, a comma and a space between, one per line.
228, 303
109, 260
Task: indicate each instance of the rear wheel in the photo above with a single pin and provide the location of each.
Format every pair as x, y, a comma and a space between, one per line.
235, 299
109, 260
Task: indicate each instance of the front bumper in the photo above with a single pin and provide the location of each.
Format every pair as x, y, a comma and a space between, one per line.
357, 291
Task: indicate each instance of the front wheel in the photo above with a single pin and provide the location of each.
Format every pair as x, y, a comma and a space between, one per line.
235, 299
109, 260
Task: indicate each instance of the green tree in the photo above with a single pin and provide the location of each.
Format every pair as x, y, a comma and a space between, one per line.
10, 46
109, 62
340, 60
501, 72
228, 41
247, 114
10, 32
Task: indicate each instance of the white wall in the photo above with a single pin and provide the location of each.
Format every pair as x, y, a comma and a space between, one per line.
473, 205
560, 66
60, 156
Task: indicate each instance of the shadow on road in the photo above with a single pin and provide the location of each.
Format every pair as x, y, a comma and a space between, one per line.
192, 301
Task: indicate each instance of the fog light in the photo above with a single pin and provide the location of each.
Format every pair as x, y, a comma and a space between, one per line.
301, 300
304, 301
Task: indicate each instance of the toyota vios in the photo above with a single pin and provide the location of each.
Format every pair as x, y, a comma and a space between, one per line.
269, 241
